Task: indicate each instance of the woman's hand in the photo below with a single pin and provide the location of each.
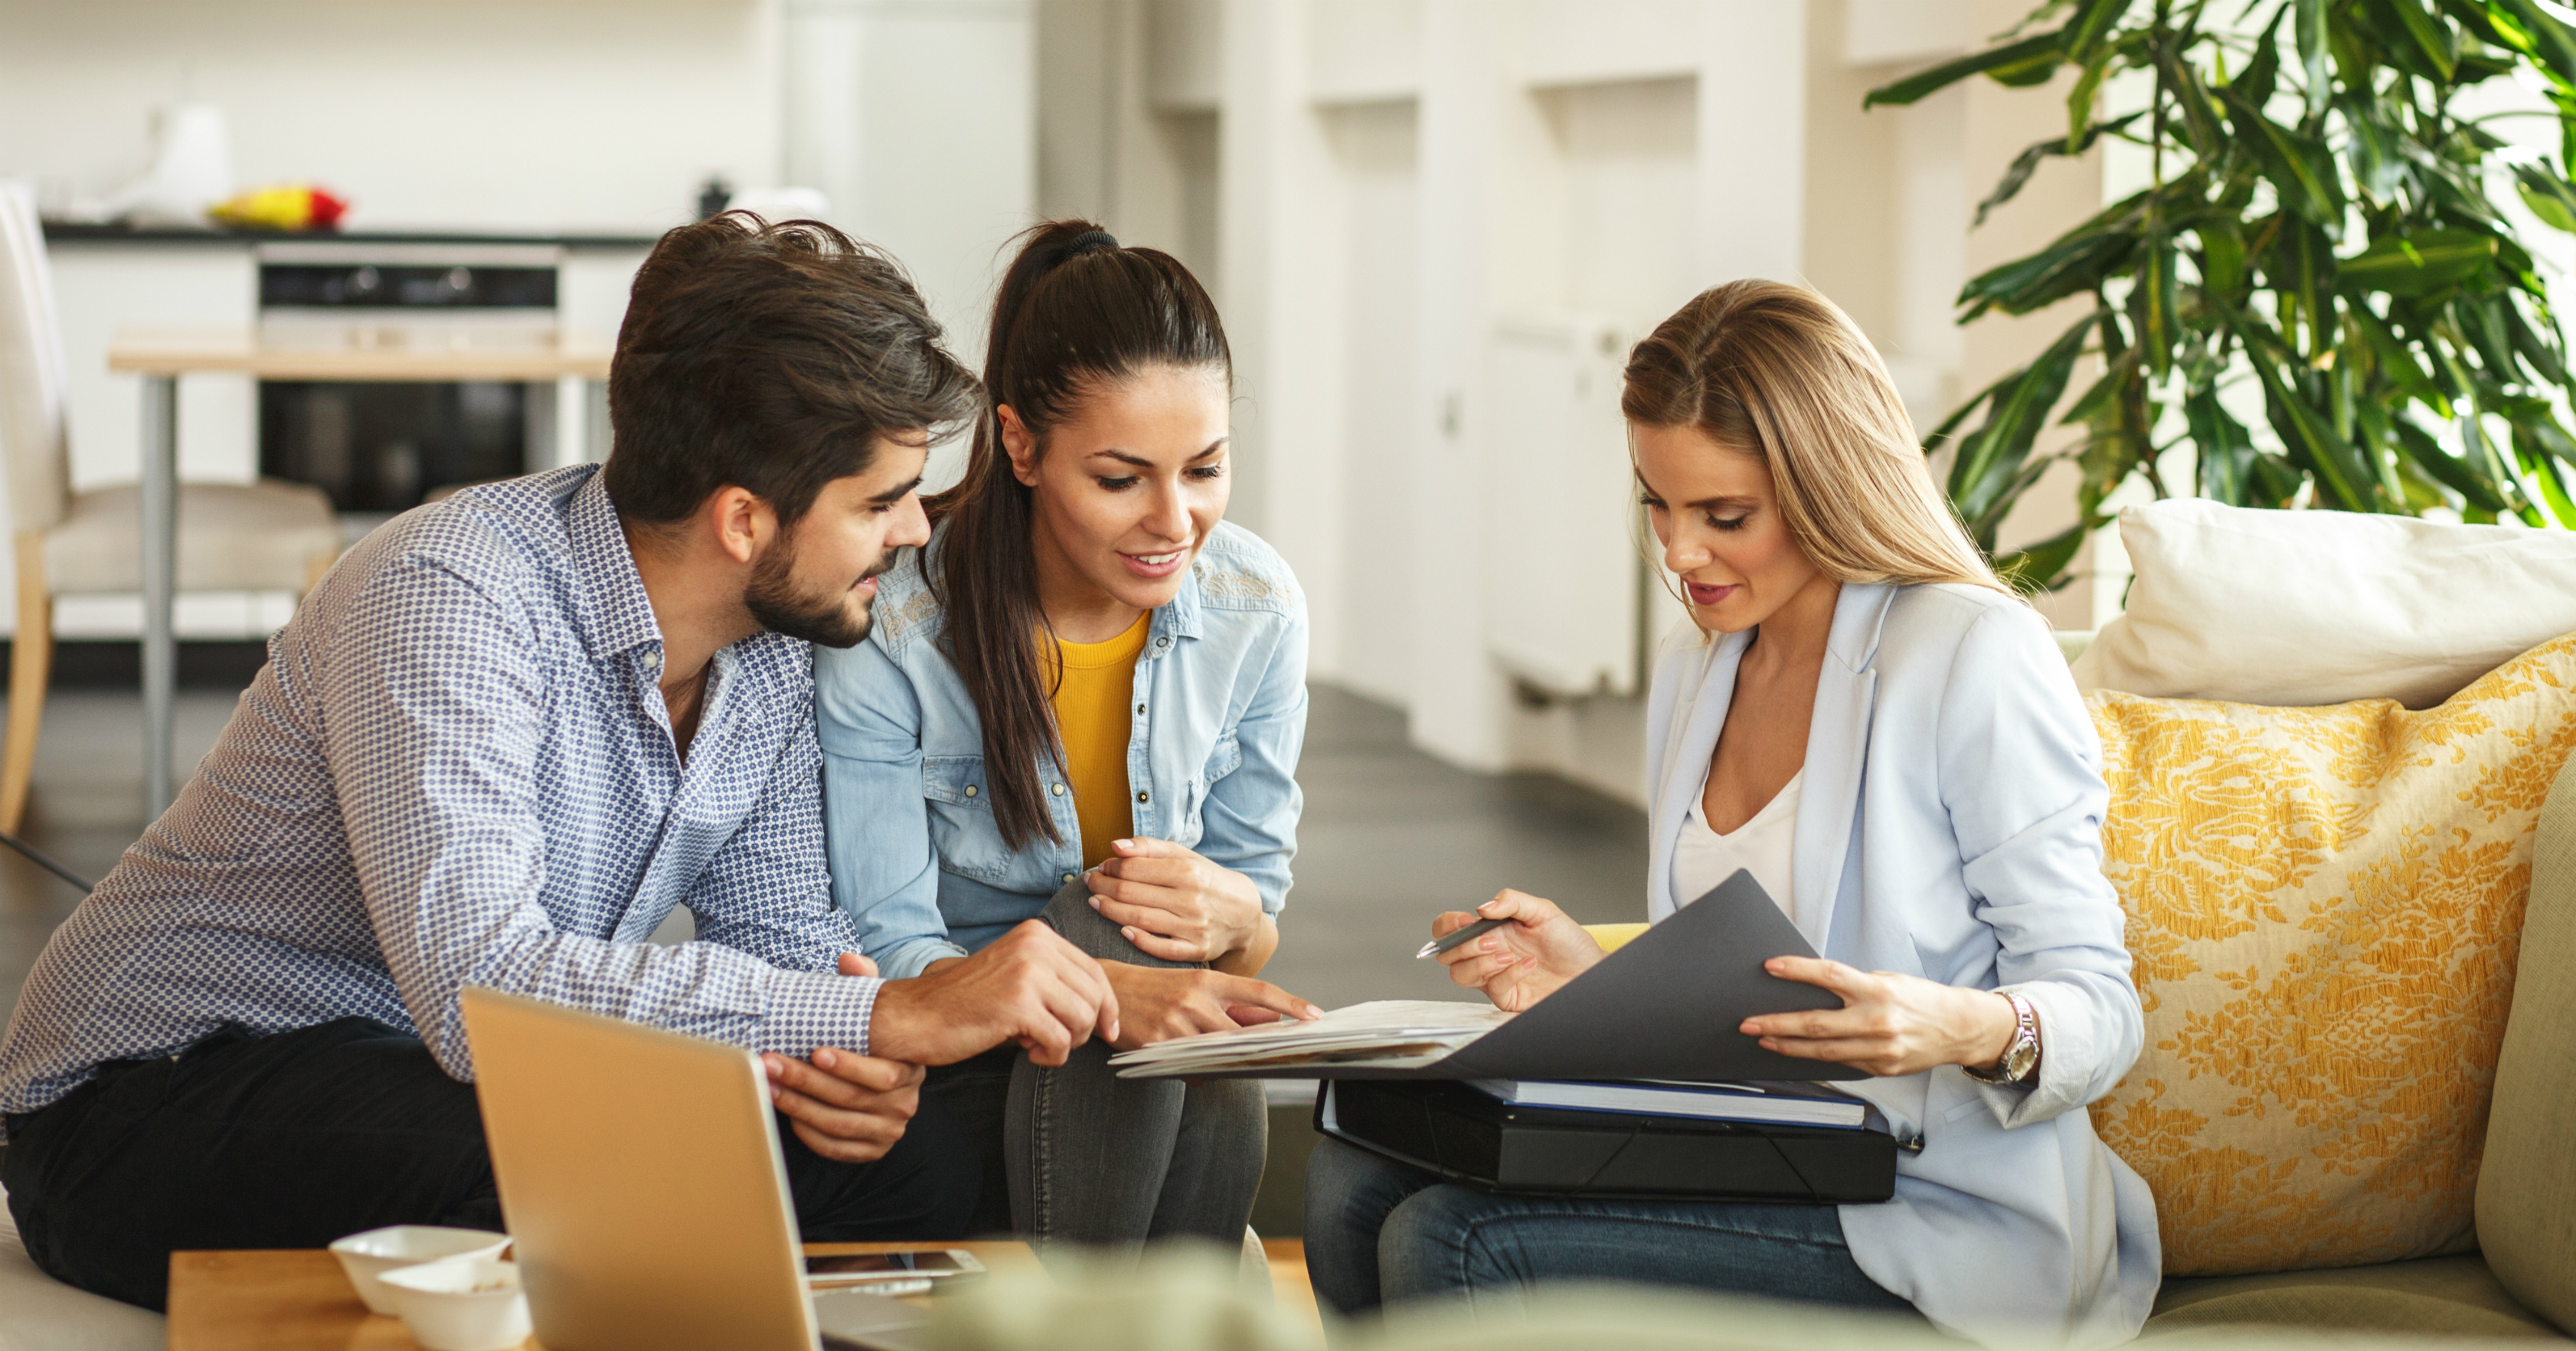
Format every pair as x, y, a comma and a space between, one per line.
1522, 962
1158, 1003
1175, 905
1889, 1023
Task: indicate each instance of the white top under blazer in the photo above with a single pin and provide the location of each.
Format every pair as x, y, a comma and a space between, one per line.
1702, 858
1950, 826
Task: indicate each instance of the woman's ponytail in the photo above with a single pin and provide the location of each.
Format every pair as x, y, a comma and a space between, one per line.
1075, 311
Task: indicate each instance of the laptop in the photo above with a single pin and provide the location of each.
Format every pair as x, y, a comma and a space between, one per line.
643, 1188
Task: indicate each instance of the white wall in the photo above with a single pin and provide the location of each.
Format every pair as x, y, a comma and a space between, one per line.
916, 116
918, 120
475, 113
1398, 178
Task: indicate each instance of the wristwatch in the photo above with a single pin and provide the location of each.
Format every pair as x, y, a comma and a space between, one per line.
2021, 1056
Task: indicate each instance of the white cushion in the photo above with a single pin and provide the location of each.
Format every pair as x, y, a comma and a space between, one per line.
2302, 608
39, 1313
232, 537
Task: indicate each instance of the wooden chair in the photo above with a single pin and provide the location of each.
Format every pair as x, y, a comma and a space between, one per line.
264, 536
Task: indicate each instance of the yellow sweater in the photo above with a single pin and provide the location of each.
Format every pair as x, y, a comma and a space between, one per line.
1093, 715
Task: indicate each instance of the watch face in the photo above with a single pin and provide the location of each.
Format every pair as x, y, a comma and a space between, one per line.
2019, 1059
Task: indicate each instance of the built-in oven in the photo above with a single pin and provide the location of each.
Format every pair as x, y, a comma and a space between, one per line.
381, 448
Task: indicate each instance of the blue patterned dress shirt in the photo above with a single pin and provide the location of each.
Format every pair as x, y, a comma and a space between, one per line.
456, 769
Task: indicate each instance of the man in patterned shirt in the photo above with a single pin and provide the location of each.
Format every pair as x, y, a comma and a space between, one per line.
499, 743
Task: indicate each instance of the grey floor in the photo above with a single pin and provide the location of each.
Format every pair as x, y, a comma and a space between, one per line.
87, 807
1390, 838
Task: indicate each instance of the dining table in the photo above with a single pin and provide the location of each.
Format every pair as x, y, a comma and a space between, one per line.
162, 356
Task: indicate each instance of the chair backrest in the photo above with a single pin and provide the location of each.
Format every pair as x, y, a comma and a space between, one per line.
35, 441
2527, 1180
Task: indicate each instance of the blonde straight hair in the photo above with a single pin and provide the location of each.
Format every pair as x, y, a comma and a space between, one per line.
1775, 370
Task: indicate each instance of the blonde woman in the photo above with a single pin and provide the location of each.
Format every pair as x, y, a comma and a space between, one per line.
1864, 717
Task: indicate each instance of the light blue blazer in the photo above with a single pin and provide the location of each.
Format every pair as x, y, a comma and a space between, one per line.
1950, 827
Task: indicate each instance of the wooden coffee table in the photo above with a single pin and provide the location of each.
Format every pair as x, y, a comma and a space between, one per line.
296, 1299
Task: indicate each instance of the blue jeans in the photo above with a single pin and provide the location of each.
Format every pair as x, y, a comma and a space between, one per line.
1378, 1231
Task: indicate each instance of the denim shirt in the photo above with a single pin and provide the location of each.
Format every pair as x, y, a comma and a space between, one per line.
1220, 713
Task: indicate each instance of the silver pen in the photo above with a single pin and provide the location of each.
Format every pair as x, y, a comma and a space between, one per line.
1440, 945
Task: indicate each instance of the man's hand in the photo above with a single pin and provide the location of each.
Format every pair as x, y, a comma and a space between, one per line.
846, 1107
1158, 1003
1173, 904
1028, 986
1890, 1023
1522, 962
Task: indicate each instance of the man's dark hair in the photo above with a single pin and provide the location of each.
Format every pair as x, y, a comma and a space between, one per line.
770, 358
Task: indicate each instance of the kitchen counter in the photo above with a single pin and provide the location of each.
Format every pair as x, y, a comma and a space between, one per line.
67, 232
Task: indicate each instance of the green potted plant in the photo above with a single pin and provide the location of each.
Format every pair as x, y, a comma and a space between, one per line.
2321, 241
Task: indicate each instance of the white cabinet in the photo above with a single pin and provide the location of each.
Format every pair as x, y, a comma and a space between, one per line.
107, 287
1563, 578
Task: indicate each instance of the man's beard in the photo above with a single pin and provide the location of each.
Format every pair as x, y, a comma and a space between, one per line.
822, 618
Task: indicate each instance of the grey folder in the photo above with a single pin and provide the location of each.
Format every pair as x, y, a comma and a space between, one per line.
1665, 1006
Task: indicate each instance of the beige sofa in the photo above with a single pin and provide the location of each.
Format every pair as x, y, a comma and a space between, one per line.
39, 1313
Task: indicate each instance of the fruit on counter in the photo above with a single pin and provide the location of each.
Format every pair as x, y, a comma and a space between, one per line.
284, 206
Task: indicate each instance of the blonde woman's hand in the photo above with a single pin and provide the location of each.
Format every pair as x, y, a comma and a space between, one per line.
1173, 904
1522, 962
1889, 1023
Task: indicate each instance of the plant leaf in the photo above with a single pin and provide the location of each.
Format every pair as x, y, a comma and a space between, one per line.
2469, 480
2076, 263
2010, 64
2424, 34
2308, 27
2222, 448
2343, 480
2415, 265
1990, 459
2543, 471
2081, 98
2299, 165
2527, 28
2043, 566
2549, 196
2543, 354
2093, 20
2199, 115
2264, 70
2222, 256
2397, 360
2027, 162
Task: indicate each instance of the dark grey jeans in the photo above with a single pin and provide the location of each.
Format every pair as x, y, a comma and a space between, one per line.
1083, 1156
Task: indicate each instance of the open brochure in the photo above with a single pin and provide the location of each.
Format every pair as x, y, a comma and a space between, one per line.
1384, 1034
1668, 1005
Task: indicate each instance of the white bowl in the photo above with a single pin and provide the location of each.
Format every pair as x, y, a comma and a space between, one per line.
461, 1303
365, 1256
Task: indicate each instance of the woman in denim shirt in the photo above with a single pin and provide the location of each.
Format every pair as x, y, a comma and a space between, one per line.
1082, 705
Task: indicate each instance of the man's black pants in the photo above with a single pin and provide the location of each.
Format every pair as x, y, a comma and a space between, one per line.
296, 1139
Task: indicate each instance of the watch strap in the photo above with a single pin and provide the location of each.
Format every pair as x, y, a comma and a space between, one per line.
2022, 1049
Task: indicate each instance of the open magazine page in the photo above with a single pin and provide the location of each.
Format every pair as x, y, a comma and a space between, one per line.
1381, 1034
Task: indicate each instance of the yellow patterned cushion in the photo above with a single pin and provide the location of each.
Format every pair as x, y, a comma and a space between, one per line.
2325, 905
